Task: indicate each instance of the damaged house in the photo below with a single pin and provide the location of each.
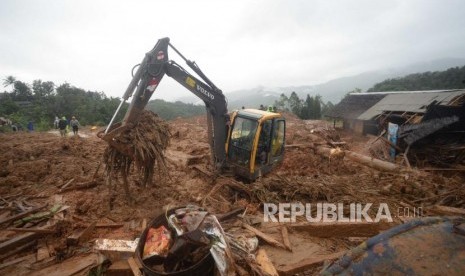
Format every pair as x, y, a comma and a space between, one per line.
438, 115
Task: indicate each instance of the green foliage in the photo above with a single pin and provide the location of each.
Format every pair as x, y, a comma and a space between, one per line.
452, 78
282, 103
22, 91
169, 110
295, 103
311, 108
326, 108
8, 106
44, 101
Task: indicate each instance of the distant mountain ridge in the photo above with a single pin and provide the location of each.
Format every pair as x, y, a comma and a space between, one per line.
333, 90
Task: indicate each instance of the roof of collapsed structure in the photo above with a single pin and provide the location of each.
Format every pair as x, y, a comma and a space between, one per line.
366, 106
353, 105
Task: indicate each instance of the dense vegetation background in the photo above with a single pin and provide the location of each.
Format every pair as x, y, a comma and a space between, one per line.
452, 78
41, 101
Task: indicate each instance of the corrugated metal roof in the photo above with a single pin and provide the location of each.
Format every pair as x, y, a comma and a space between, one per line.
416, 101
406, 92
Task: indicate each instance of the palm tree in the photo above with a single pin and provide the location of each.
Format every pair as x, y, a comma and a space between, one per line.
9, 80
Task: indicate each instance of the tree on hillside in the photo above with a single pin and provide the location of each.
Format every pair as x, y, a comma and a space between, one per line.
452, 78
326, 108
311, 108
282, 103
316, 114
295, 103
21, 91
9, 80
42, 89
307, 109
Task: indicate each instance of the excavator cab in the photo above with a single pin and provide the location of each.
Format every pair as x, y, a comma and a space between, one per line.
255, 143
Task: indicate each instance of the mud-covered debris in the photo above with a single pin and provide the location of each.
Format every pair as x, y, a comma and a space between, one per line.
147, 140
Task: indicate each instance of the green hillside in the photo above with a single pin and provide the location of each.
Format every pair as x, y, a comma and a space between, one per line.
452, 78
172, 110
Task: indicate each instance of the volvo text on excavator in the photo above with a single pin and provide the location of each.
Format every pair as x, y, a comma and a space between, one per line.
250, 142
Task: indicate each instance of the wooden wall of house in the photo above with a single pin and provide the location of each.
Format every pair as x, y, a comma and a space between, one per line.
354, 125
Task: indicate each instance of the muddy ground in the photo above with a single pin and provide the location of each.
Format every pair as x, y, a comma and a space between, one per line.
34, 167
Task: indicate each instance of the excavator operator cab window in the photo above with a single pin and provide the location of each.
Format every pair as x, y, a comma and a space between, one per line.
277, 140
241, 142
263, 147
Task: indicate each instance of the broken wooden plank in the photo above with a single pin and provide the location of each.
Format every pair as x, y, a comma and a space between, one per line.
116, 250
285, 235
134, 267
144, 224
119, 268
196, 159
238, 186
308, 263
443, 169
23, 214
66, 184
17, 260
229, 215
109, 225
81, 264
15, 242
448, 211
264, 263
35, 230
264, 236
81, 186
44, 263
341, 229
18, 250
80, 236
298, 146
202, 170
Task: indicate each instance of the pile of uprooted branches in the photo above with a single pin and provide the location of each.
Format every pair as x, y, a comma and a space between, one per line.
146, 140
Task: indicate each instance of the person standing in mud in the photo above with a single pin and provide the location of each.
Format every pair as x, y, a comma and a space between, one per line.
55, 123
75, 125
62, 124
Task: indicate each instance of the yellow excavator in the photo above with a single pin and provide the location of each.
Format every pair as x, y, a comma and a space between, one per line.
250, 142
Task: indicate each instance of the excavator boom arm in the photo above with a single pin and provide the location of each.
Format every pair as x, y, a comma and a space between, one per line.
146, 79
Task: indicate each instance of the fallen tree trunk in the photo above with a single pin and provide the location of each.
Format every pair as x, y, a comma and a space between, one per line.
372, 162
330, 153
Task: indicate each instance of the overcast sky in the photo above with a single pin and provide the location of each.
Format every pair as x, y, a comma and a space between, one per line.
238, 44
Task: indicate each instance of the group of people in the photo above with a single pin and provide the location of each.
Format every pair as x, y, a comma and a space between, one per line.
63, 125
269, 109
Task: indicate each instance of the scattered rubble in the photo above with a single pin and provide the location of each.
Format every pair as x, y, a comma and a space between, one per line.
54, 212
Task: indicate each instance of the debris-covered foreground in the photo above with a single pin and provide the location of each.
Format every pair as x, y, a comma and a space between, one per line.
55, 217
